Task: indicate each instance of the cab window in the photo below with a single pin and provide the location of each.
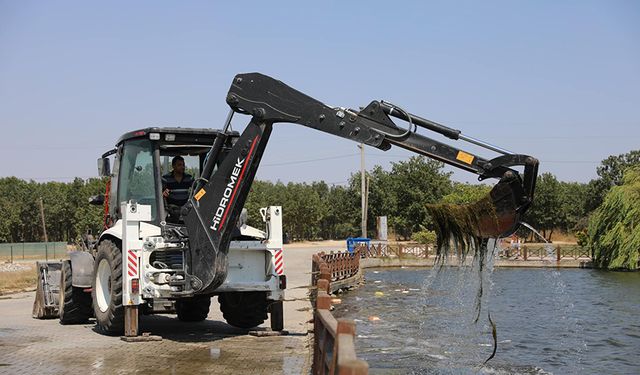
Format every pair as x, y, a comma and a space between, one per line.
136, 175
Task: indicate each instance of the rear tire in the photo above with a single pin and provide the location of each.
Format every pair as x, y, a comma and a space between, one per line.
107, 289
276, 315
75, 304
244, 309
193, 309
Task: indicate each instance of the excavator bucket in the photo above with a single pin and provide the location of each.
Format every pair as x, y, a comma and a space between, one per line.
498, 214
495, 215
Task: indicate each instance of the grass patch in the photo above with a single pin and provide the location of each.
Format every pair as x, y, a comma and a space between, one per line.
17, 280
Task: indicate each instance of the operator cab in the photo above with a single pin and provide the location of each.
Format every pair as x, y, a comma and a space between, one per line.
143, 157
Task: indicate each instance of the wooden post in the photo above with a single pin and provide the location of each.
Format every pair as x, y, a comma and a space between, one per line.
131, 321
324, 301
524, 252
558, 255
346, 326
325, 273
323, 285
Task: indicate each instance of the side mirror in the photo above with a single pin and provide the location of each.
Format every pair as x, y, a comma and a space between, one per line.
97, 200
104, 167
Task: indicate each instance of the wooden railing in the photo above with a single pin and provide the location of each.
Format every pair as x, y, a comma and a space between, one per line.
334, 340
334, 347
556, 253
338, 268
525, 253
398, 250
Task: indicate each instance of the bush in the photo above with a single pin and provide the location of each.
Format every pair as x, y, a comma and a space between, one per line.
424, 237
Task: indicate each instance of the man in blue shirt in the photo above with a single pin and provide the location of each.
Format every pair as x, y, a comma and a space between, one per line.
177, 184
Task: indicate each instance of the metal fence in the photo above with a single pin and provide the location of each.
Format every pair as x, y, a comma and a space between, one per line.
32, 250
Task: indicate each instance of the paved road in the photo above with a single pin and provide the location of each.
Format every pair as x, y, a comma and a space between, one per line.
30, 346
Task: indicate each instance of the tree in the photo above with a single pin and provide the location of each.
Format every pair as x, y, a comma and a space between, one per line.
464, 193
614, 228
610, 173
402, 193
545, 212
572, 209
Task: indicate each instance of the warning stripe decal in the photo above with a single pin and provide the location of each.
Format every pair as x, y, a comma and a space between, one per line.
279, 262
132, 264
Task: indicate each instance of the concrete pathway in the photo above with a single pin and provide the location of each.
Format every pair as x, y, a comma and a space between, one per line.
30, 346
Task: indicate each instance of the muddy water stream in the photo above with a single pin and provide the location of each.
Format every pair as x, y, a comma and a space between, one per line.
569, 321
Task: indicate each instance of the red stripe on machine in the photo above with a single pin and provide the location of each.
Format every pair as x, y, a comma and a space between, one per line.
279, 262
132, 263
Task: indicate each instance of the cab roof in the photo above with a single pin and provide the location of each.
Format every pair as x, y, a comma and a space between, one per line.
197, 135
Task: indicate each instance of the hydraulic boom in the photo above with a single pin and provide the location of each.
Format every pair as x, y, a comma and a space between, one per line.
219, 196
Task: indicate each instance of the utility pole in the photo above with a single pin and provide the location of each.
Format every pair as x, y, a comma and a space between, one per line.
363, 192
44, 226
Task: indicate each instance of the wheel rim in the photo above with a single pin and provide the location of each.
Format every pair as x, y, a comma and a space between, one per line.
103, 285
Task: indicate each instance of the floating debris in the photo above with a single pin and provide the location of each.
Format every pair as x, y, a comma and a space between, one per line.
379, 294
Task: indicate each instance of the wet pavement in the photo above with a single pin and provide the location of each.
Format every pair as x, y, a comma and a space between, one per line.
30, 346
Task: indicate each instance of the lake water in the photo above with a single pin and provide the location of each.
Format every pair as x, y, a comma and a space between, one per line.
565, 321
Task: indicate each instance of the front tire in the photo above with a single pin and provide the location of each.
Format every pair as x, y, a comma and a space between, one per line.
75, 304
193, 309
244, 309
107, 289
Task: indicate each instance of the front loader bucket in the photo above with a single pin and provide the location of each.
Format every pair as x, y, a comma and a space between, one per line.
46, 304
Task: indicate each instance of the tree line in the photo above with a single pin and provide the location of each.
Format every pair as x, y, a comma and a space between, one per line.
66, 209
318, 210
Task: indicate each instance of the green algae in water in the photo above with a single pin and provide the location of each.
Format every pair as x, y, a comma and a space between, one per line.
461, 232
460, 228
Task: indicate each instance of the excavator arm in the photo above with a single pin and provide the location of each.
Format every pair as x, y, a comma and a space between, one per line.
218, 199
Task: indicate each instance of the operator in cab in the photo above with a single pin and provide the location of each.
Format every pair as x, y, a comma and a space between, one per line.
177, 184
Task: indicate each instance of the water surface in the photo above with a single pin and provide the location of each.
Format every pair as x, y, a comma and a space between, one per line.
567, 321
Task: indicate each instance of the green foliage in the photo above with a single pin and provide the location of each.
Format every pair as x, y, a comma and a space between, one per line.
310, 211
424, 236
614, 233
545, 214
66, 208
572, 208
403, 193
464, 193
610, 173
582, 238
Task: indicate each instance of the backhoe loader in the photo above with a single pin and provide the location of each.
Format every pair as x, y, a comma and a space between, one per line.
155, 258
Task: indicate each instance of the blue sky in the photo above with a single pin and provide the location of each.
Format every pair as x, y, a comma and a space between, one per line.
559, 80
